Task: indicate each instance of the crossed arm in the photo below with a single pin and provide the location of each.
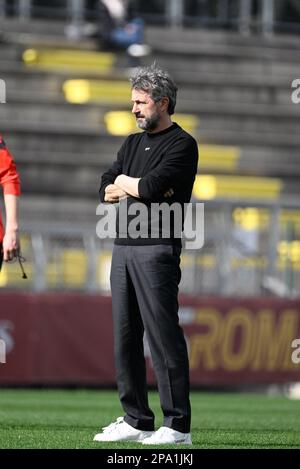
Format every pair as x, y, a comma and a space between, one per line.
125, 186
174, 171
122, 187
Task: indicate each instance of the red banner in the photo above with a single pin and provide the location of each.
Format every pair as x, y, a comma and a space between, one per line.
68, 339
240, 341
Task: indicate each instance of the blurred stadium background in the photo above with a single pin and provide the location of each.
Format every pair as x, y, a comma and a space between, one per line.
67, 112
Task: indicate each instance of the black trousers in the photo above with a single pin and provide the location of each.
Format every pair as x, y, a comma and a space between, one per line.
144, 284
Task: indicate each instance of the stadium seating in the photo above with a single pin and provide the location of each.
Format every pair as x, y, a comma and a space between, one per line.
68, 109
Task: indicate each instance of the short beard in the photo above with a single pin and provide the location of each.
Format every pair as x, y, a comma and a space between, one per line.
149, 123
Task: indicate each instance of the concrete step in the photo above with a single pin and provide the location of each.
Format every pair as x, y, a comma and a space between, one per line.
75, 144
194, 95
251, 121
68, 160
70, 136
213, 72
198, 35
50, 179
229, 136
62, 115
43, 87
36, 86
41, 212
232, 67
207, 104
37, 210
85, 181
185, 45
52, 28
202, 50
20, 69
67, 60
224, 58
10, 52
59, 41
208, 93
242, 122
269, 161
11, 26
46, 166
251, 161
10, 69
74, 177
253, 56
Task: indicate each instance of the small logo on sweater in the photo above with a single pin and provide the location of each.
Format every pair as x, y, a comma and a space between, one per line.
147, 148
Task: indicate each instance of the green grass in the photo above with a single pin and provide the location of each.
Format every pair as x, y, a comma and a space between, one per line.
69, 419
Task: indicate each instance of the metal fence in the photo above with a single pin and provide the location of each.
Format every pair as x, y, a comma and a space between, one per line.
249, 250
245, 16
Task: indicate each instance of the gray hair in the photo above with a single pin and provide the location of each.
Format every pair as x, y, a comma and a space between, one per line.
157, 83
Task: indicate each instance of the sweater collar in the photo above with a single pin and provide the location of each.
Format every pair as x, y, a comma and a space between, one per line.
162, 132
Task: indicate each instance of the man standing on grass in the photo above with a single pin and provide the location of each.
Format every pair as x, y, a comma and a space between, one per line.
155, 166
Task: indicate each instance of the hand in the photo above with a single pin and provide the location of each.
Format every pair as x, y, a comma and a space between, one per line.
11, 244
113, 194
169, 193
128, 184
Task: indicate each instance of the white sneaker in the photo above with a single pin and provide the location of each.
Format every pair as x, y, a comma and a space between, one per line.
168, 436
121, 431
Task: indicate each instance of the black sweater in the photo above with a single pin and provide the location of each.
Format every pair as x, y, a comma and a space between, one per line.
162, 160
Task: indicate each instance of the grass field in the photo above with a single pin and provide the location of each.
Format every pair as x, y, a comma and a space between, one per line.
69, 419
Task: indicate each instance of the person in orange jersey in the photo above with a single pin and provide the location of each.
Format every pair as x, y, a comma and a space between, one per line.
10, 181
